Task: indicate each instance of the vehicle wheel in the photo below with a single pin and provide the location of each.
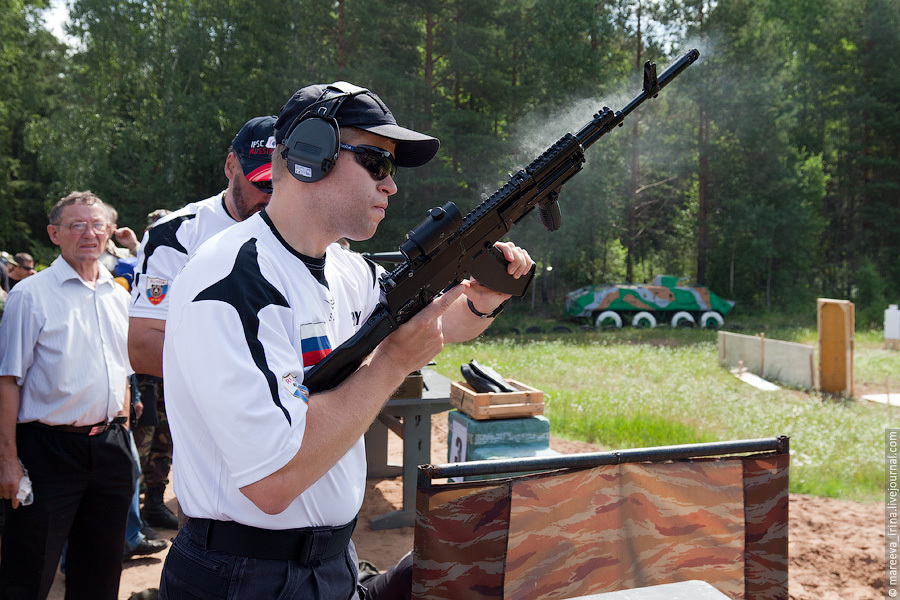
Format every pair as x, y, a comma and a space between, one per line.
682, 319
643, 320
711, 320
608, 319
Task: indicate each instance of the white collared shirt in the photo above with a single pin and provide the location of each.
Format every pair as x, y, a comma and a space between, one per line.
67, 346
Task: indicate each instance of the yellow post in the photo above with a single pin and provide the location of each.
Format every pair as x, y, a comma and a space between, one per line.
836, 326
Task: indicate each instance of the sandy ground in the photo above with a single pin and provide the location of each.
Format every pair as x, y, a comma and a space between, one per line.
836, 547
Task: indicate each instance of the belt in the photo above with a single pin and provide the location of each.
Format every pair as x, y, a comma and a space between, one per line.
307, 546
82, 429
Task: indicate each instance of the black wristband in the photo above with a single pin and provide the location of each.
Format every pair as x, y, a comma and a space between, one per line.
489, 315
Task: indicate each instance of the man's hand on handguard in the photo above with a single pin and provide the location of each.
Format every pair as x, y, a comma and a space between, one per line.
484, 298
519, 260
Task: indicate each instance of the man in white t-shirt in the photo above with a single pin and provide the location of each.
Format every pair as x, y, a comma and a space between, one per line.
272, 477
164, 250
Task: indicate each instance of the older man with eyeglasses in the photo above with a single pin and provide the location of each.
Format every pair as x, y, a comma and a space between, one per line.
63, 415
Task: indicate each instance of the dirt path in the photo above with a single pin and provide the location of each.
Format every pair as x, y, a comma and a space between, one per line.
836, 547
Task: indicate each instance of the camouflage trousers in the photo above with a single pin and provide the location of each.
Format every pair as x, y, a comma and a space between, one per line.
154, 442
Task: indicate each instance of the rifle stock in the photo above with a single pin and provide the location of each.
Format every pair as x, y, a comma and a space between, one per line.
445, 246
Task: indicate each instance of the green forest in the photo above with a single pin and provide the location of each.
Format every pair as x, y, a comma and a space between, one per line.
769, 170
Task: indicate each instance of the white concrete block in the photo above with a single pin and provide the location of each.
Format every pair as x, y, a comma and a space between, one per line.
892, 323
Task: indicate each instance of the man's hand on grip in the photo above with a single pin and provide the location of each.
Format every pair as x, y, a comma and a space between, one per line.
420, 339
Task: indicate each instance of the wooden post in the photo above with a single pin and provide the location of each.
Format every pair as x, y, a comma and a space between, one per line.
723, 344
836, 332
762, 355
812, 373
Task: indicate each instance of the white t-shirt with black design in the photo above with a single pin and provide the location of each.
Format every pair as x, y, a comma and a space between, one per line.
246, 317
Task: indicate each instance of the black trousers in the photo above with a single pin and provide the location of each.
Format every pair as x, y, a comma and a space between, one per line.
194, 569
83, 486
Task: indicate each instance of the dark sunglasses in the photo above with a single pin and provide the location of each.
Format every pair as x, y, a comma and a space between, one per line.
263, 186
378, 162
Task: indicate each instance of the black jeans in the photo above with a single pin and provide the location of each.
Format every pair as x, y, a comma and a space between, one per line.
82, 487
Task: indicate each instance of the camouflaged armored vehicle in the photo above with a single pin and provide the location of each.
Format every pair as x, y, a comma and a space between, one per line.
609, 305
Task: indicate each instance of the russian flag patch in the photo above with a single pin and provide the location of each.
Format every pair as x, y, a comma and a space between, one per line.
314, 344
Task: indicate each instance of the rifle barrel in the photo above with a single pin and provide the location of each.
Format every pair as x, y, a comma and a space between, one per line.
590, 133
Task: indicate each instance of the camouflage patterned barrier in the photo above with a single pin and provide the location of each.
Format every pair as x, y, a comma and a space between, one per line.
575, 532
766, 528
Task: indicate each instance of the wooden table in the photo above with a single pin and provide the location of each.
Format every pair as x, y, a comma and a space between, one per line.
409, 418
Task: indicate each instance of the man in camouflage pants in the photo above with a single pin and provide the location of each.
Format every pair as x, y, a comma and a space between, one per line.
154, 444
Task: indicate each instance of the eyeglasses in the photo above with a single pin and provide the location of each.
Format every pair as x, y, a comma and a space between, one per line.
377, 161
263, 186
80, 227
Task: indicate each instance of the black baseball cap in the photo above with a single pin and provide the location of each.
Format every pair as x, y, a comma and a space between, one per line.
365, 111
253, 145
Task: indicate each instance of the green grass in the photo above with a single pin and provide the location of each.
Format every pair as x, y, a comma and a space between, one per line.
641, 388
876, 365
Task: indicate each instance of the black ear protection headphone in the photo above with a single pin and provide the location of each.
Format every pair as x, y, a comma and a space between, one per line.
313, 140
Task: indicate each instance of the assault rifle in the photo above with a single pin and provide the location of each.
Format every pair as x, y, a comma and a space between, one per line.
445, 247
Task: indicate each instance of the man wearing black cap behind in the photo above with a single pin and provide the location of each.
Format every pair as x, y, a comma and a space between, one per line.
166, 246
272, 477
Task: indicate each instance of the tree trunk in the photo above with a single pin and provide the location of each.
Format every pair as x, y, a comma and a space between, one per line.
545, 286
341, 36
731, 270
702, 195
635, 171
429, 64
702, 182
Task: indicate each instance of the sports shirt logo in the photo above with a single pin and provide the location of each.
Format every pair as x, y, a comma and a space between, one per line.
157, 288
289, 381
